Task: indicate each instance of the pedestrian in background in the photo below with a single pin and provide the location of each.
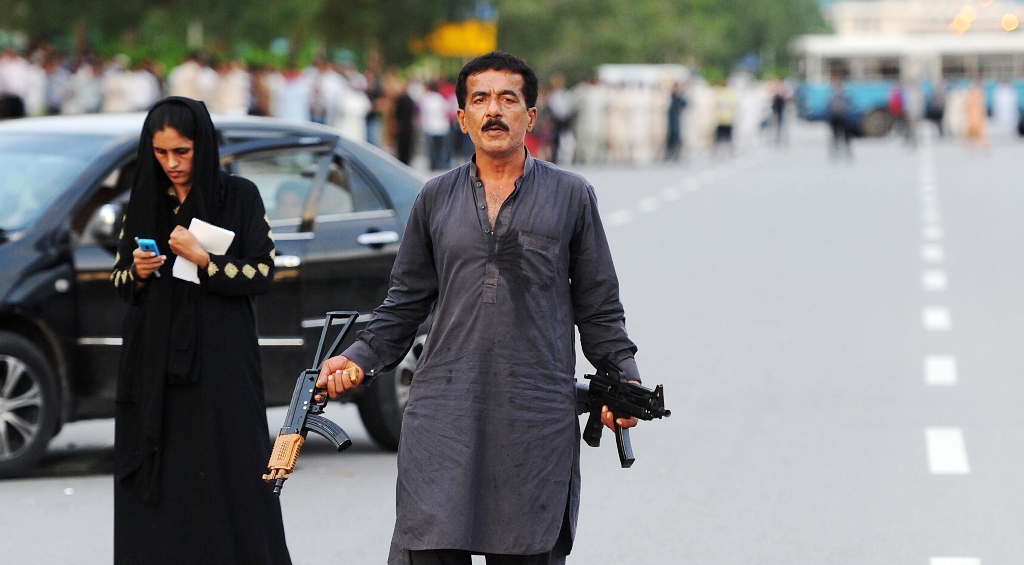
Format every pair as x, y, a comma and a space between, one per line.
838, 109
725, 116
936, 108
508, 254
977, 116
674, 143
435, 124
190, 432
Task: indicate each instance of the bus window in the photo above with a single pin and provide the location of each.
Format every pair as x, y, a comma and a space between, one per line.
881, 68
837, 68
996, 66
958, 67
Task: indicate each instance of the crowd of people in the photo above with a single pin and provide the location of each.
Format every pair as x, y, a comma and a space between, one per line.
410, 116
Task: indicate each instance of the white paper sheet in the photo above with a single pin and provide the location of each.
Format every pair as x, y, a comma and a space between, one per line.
215, 240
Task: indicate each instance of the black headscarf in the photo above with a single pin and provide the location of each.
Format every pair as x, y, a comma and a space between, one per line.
165, 338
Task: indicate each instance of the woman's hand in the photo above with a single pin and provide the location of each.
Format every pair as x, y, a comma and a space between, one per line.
146, 263
184, 244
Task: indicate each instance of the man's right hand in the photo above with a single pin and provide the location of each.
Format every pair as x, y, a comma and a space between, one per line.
339, 375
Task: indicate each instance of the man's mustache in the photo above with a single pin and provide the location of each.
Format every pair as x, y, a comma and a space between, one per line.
494, 124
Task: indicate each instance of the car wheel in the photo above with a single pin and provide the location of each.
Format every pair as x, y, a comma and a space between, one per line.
876, 123
383, 403
28, 404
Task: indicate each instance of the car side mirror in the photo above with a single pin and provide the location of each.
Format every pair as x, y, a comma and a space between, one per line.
104, 225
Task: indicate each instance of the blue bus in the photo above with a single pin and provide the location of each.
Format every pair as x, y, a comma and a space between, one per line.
870, 66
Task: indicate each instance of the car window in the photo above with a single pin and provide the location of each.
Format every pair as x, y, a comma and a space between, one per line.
347, 191
113, 185
284, 179
36, 169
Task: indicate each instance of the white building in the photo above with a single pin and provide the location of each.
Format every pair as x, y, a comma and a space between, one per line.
899, 17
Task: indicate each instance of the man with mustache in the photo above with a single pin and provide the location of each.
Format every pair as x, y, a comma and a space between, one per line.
509, 254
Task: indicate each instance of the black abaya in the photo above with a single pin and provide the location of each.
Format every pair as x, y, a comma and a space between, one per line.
191, 438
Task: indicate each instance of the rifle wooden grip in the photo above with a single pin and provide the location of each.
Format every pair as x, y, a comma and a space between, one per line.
284, 457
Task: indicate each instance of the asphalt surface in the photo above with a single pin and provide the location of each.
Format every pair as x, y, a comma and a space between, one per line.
838, 342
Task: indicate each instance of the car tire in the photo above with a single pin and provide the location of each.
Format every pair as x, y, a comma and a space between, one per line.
382, 405
28, 404
876, 123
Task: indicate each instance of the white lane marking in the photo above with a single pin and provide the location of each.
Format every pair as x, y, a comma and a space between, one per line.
670, 193
646, 205
940, 370
954, 561
934, 281
619, 218
932, 233
928, 187
936, 319
932, 253
947, 454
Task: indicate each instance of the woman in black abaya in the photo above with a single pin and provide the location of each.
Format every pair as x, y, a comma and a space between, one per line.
191, 437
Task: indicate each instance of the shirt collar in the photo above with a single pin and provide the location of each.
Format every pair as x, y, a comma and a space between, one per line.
474, 172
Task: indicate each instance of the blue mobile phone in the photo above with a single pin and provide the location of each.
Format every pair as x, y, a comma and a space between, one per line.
148, 245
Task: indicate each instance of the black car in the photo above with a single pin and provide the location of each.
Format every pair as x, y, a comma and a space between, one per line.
338, 209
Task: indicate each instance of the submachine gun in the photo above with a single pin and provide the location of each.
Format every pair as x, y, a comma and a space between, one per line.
624, 399
304, 411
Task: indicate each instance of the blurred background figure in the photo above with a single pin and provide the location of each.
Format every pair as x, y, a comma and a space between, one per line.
591, 101
977, 116
435, 123
234, 91
839, 105
118, 85
561, 111
674, 140
291, 100
1005, 111
14, 79
351, 110
936, 107
404, 120
328, 86
780, 94
725, 116
913, 110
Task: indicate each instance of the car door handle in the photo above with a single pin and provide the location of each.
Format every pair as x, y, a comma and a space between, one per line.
378, 238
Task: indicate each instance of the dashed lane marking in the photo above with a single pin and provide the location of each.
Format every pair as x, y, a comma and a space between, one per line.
954, 561
647, 205
947, 454
934, 280
936, 319
940, 370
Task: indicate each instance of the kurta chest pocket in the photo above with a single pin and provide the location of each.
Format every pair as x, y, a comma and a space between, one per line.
539, 259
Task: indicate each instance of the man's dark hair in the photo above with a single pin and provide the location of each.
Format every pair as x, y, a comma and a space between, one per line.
498, 61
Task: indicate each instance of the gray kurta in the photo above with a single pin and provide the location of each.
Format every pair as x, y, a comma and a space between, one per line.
489, 455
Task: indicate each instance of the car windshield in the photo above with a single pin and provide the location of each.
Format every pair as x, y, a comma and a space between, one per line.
36, 169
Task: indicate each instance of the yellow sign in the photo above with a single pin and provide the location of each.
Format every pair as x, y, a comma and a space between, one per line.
464, 39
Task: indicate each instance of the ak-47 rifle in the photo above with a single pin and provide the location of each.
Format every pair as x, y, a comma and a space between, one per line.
304, 412
624, 399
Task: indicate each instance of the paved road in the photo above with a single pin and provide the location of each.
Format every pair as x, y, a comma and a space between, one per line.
838, 342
